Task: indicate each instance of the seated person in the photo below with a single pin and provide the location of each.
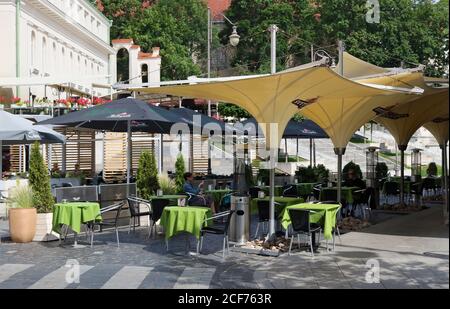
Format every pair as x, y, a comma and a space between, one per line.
199, 199
55, 171
354, 181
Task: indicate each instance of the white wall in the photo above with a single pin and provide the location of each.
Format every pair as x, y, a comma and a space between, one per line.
86, 40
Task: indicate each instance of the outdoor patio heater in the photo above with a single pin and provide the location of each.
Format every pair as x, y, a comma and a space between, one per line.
416, 165
371, 166
240, 202
371, 175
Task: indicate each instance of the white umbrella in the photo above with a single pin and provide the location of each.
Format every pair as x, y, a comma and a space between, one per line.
15, 130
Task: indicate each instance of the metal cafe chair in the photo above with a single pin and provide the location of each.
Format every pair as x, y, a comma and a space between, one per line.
117, 208
290, 191
264, 215
335, 230
223, 230
301, 225
158, 206
134, 204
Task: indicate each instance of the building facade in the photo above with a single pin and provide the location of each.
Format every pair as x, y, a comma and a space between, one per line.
62, 40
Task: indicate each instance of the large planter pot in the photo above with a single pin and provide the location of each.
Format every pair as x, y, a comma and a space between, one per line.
22, 224
44, 228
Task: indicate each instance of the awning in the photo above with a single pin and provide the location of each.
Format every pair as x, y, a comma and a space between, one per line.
404, 120
440, 129
339, 105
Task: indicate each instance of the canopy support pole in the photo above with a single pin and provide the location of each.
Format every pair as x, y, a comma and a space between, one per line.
272, 198
445, 184
314, 152
286, 159
310, 152
160, 154
297, 151
128, 151
402, 173
339, 152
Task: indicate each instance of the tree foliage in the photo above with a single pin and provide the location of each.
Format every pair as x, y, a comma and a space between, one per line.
178, 27
39, 180
147, 175
413, 32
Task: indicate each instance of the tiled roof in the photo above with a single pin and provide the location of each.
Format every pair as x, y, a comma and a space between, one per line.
218, 7
147, 56
122, 41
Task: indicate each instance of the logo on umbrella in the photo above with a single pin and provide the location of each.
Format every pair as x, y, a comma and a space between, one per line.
121, 115
309, 131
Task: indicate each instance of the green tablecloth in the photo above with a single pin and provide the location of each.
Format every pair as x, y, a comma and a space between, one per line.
266, 189
217, 195
184, 219
173, 199
74, 214
324, 214
347, 193
304, 189
283, 201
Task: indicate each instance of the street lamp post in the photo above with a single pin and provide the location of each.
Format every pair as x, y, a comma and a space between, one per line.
234, 41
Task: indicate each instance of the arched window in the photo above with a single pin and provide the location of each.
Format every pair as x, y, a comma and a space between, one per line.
63, 58
144, 72
123, 65
55, 65
44, 56
71, 64
33, 49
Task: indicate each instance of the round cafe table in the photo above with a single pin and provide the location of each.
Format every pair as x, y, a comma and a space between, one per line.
73, 215
190, 219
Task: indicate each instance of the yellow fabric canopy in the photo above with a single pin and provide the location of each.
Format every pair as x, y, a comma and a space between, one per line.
404, 120
355, 67
339, 105
440, 129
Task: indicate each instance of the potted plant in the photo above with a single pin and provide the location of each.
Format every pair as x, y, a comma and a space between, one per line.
22, 214
39, 181
167, 185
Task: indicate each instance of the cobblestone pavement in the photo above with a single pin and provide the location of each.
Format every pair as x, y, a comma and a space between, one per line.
412, 251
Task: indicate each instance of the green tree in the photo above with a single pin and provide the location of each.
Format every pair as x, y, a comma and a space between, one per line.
381, 170
179, 173
295, 20
410, 31
413, 32
178, 27
147, 175
39, 180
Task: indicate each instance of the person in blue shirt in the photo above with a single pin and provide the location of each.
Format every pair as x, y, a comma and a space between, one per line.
199, 199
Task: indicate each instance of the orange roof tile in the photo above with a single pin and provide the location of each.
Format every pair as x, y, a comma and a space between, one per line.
122, 41
218, 7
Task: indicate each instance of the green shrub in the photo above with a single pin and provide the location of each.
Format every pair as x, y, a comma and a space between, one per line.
432, 169
306, 174
179, 173
381, 170
147, 175
352, 166
39, 181
322, 173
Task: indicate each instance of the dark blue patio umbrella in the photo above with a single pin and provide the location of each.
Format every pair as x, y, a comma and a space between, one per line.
124, 115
